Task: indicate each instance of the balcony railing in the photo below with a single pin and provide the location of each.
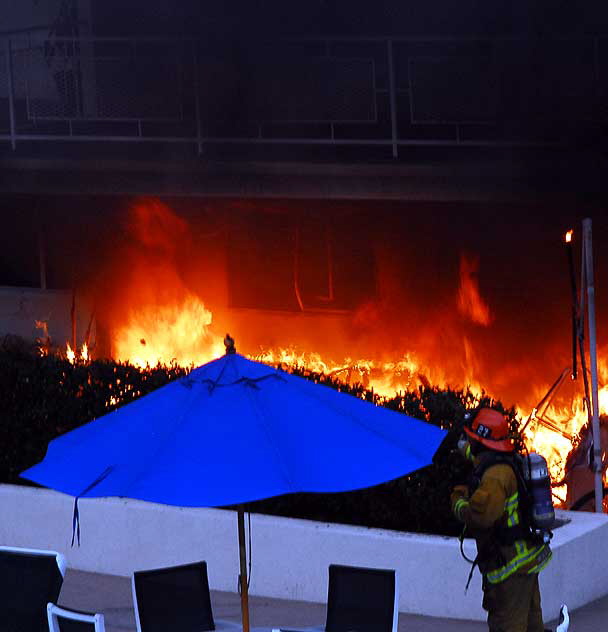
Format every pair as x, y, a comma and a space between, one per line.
385, 92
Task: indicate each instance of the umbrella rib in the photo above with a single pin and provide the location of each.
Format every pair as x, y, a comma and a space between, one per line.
247, 381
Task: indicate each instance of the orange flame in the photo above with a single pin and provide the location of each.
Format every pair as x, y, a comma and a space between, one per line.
470, 303
568, 236
159, 318
44, 342
174, 333
74, 356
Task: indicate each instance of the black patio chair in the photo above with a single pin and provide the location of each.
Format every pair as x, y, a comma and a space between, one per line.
362, 599
175, 598
29, 580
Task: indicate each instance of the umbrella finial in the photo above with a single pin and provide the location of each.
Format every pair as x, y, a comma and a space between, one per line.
229, 344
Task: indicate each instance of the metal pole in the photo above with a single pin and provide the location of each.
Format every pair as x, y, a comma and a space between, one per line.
595, 422
11, 94
330, 263
41, 253
73, 318
392, 98
582, 315
296, 267
243, 570
568, 240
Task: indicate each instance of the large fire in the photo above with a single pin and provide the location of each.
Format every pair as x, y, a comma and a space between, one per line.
156, 318
176, 333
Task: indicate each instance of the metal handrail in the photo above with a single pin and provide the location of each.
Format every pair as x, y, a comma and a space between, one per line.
38, 27
189, 56
323, 38
26, 30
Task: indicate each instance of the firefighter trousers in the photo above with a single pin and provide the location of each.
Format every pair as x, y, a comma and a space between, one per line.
514, 604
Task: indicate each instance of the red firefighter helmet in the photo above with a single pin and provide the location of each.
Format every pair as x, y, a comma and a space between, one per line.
491, 429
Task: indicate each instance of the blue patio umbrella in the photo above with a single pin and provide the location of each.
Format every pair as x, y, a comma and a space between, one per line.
234, 431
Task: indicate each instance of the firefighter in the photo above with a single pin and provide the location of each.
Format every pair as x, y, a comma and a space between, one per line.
509, 556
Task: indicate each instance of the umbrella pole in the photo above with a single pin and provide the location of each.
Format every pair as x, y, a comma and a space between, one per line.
243, 570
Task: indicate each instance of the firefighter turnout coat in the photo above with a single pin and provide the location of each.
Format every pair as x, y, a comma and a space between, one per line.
493, 516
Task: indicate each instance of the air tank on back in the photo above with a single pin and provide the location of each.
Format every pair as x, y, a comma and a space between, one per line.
536, 473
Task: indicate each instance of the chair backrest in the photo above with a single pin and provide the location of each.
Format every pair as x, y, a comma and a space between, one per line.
173, 598
362, 599
65, 620
29, 579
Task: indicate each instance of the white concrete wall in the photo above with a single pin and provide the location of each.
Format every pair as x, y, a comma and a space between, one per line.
20, 308
290, 557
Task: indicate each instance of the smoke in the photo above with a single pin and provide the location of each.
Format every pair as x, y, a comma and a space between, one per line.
154, 226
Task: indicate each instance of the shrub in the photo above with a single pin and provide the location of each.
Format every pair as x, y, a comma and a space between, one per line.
45, 396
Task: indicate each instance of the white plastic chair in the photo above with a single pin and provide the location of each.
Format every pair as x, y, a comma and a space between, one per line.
89, 622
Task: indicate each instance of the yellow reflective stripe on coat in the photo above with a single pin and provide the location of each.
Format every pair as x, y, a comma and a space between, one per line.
511, 507
459, 506
512, 503
524, 554
468, 455
521, 559
545, 559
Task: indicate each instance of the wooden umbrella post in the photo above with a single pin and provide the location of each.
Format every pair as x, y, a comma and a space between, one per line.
243, 570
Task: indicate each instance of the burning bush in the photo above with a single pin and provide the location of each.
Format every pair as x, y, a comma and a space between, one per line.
45, 396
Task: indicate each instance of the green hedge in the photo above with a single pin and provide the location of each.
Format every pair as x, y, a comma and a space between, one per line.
44, 396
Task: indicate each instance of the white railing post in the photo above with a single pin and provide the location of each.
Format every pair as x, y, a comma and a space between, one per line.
197, 103
392, 97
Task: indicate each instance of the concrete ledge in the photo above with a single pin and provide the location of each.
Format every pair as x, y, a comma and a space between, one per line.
290, 557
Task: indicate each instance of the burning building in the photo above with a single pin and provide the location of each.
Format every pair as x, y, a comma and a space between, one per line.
390, 295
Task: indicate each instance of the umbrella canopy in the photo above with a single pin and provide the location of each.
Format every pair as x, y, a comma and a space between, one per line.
234, 431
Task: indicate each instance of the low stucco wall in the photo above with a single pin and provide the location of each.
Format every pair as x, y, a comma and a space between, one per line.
20, 308
290, 557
